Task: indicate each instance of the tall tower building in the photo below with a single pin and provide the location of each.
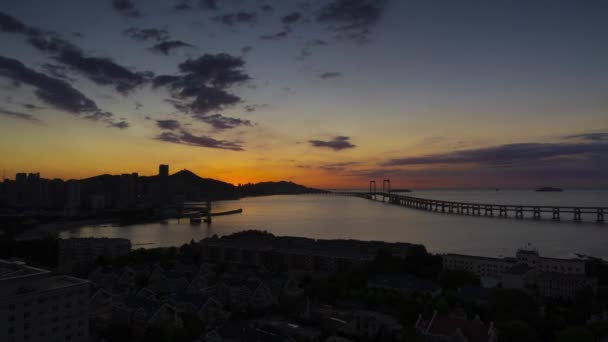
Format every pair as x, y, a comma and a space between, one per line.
163, 184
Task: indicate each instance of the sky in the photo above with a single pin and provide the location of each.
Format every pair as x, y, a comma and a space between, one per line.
326, 93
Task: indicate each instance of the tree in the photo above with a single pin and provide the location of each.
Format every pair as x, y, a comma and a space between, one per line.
516, 331
575, 334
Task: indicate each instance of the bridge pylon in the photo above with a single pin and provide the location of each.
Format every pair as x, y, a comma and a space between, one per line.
386, 189
372, 188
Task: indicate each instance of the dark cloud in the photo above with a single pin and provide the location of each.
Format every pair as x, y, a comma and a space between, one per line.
31, 106
119, 124
186, 138
170, 125
220, 122
170, 45
210, 99
201, 88
55, 92
276, 36
338, 143
59, 71
253, 107
126, 8
352, 19
291, 18
11, 24
337, 167
504, 155
330, 74
208, 4
603, 136
241, 17
102, 71
186, 5
136, 33
266, 8
220, 70
18, 115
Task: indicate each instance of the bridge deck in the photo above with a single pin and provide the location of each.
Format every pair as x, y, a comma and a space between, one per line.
483, 209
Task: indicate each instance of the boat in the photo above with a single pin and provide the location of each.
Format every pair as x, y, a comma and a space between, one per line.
195, 219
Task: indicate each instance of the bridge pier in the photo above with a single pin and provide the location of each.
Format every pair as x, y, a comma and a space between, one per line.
536, 211
556, 214
476, 210
468, 208
502, 211
519, 213
577, 215
600, 215
489, 209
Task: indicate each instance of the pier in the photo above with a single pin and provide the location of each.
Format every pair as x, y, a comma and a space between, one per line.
520, 212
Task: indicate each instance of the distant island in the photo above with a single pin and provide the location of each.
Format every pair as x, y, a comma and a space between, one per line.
401, 190
549, 189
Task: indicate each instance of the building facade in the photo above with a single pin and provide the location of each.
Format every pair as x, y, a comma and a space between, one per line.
36, 306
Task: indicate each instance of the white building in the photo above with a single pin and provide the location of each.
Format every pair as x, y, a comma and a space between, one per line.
496, 267
37, 306
554, 265
482, 266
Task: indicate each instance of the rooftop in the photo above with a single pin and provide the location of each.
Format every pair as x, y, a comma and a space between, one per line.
28, 286
15, 269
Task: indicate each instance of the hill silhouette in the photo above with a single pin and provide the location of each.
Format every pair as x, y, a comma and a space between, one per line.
188, 186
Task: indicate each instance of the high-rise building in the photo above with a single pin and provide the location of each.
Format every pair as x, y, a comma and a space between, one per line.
163, 170
20, 188
36, 306
163, 184
72, 197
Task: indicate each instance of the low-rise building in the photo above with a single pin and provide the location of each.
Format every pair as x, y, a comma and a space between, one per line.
480, 265
263, 249
404, 284
38, 306
564, 286
496, 267
446, 329
371, 324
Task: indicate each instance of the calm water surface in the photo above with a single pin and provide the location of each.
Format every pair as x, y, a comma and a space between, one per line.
321, 216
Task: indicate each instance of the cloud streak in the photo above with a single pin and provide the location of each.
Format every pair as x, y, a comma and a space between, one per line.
352, 19
337, 144
18, 115
509, 154
167, 47
185, 138
126, 8
55, 92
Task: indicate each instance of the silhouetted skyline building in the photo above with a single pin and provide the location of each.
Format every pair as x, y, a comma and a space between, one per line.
163, 184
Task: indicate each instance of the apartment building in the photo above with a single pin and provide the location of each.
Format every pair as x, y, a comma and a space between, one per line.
36, 306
